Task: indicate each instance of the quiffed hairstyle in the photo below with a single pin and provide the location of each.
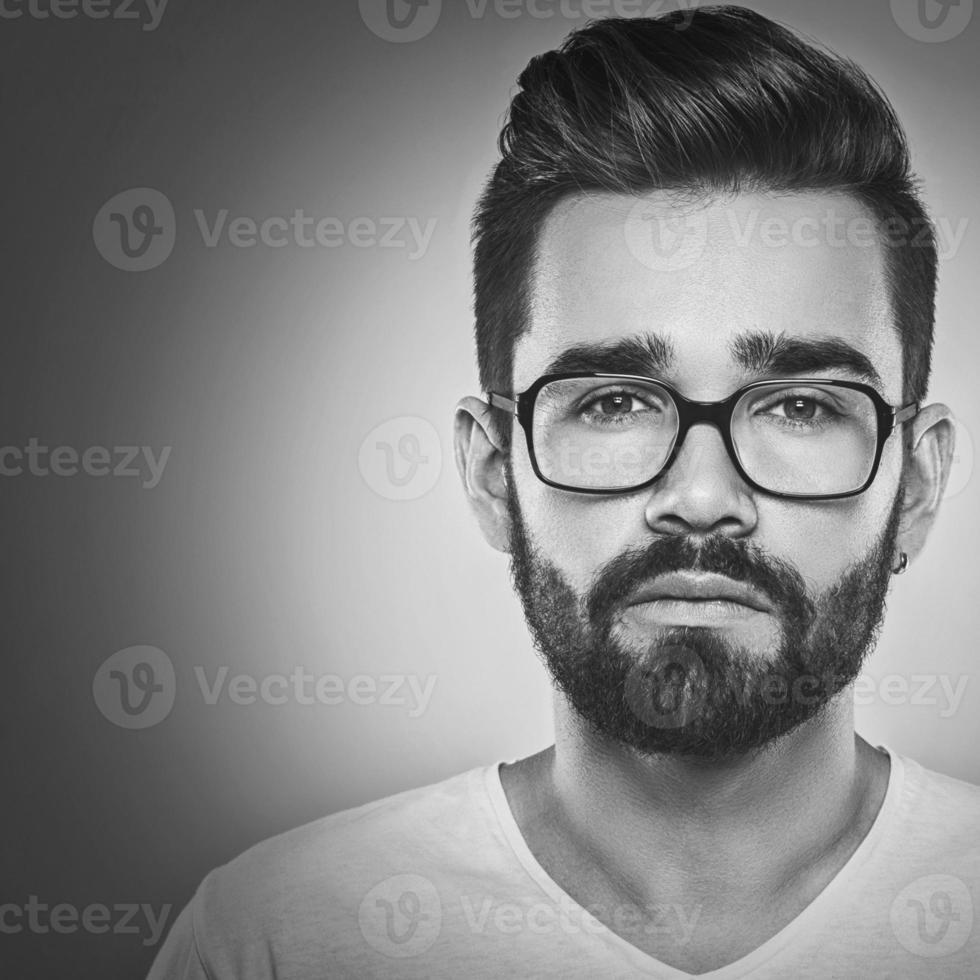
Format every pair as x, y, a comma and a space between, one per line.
716, 100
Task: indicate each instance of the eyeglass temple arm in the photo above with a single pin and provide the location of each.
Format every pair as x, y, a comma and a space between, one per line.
502, 402
905, 413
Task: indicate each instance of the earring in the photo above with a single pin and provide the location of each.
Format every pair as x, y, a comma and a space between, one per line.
903, 563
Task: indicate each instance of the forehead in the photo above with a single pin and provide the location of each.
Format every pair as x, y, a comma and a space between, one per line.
704, 277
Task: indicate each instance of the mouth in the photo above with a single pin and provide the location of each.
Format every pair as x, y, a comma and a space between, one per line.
704, 591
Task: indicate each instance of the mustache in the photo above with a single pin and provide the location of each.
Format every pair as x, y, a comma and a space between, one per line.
733, 558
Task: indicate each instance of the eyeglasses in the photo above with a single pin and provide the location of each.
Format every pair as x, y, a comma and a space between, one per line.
806, 438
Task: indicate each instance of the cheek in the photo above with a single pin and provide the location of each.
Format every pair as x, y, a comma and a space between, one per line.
822, 540
577, 533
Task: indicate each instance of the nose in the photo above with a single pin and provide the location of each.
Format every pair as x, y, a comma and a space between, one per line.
701, 492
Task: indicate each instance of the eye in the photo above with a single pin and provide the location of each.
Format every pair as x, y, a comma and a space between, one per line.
616, 403
801, 409
798, 407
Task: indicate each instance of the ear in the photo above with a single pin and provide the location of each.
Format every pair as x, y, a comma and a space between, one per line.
926, 474
480, 462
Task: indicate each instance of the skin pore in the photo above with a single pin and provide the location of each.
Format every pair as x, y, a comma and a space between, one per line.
741, 843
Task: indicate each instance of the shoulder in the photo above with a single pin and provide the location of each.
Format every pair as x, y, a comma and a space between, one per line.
325, 869
940, 815
925, 788
332, 891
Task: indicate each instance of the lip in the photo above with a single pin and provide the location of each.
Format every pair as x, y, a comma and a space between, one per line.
700, 587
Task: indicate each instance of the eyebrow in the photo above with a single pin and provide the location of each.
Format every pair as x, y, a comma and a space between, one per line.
757, 352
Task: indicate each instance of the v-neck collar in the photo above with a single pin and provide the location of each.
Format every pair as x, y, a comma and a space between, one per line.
743, 967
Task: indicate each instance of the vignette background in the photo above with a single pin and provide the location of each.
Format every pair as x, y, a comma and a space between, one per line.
272, 541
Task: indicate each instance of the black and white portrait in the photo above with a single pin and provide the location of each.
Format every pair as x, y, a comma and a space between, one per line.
492, 490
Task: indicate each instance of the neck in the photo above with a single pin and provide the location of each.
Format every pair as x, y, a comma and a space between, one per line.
752, 826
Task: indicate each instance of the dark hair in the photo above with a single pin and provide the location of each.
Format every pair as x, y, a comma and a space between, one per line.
718, 100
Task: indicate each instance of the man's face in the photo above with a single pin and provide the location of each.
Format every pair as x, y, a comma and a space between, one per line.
694, 677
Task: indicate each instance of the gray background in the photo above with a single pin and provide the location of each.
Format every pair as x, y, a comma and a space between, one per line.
270, 543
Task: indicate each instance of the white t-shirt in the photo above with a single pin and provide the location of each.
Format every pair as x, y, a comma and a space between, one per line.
438, 882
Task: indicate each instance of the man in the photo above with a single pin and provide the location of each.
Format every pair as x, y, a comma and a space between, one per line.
704, 301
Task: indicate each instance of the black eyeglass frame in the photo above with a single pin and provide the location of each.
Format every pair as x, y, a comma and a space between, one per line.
718, 414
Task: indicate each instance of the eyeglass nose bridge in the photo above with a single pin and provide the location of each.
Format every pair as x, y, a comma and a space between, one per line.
690, 413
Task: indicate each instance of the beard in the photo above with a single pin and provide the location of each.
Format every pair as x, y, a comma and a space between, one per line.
690, 691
